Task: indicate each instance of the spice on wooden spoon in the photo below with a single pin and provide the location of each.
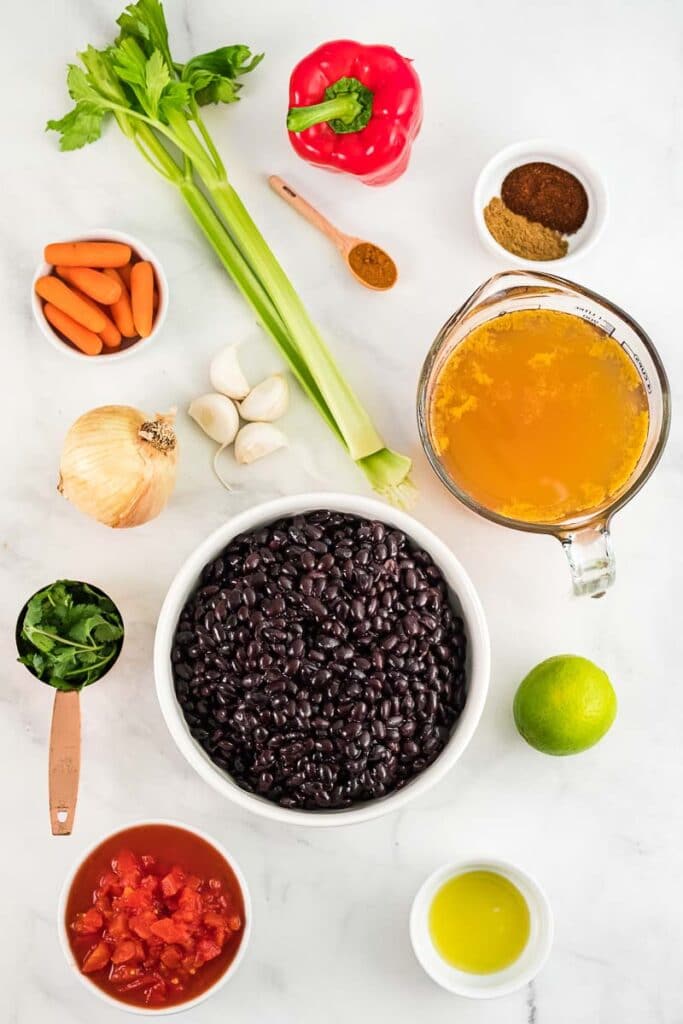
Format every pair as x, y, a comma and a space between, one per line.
369, 264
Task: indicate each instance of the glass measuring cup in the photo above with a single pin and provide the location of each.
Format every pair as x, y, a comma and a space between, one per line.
585, 537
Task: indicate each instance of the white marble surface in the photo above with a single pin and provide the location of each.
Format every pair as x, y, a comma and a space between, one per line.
602, 831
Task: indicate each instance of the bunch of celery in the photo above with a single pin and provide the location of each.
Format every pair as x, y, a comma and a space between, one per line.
156, 102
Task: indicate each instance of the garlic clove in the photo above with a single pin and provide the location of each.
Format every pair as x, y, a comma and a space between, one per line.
217, 416
256, 440
226, 374
267, 401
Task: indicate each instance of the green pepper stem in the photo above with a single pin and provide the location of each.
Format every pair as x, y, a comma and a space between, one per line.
343, 108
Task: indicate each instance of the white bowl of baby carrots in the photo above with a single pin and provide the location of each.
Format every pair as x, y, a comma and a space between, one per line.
103, 294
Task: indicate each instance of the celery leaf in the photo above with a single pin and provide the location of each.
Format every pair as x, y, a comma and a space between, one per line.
145, 21
80, 126
213, 76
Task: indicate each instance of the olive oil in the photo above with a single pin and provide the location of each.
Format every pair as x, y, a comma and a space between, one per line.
479, 922
539, 415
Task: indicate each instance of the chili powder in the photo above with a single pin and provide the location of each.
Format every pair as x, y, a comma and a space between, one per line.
373, 265
546, 194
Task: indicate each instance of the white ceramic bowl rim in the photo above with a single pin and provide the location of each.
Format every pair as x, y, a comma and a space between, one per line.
483, 986
459, 582
563, 156
219, 982
140, 249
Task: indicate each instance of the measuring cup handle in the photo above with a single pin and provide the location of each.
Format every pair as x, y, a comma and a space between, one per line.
591, 558
65, 761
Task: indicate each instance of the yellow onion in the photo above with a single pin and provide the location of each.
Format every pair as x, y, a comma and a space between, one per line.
118, 465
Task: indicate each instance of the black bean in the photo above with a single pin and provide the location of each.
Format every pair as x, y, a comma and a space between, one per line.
319, 661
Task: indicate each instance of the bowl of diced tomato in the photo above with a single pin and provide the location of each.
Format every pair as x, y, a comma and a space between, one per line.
155, 918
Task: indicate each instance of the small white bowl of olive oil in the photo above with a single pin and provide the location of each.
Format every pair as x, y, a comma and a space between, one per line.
481, 928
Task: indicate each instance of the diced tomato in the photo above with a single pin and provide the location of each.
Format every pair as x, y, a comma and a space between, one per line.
150, 883
88, 923
124, 973
153, 931
207, 950
96, 958
117, 928
141, 923
127, 949
127, 867
190, 905
103, 904
109, 882
173, 881
171, 957
133, 899
218, 924
170, 930
189, 963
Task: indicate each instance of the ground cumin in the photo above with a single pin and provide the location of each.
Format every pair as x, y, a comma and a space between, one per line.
373, 265
523, 237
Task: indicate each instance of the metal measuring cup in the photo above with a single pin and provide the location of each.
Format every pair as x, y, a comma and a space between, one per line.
64, 765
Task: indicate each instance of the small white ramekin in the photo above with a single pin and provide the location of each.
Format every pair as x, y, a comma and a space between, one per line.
483, 986
464, 598
491, 179
144, 1010
141, 250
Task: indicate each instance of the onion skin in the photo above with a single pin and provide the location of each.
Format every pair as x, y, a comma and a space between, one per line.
112, 473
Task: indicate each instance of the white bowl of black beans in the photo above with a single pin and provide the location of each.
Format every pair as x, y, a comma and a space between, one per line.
322, 659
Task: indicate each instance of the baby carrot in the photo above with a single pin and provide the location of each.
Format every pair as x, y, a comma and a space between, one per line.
60, 295
87, 254
80, 336
92, 282
125, 274
142, 296
110, 334
121, 311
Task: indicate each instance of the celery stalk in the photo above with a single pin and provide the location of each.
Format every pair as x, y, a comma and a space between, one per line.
156, 103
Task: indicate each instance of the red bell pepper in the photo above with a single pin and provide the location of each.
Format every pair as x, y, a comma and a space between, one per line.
355, 108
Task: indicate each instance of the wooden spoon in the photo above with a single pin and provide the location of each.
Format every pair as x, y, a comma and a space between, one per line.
369, 264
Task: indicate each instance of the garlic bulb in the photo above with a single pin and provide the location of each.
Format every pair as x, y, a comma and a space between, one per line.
256, 440
267, 401
217, 416
119, 465
226, 374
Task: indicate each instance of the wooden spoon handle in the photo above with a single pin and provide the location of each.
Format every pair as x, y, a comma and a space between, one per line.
65, 760
307, 211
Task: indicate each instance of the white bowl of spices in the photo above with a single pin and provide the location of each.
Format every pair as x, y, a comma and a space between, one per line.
539, 205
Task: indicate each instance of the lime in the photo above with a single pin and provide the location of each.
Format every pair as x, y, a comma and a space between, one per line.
565, 705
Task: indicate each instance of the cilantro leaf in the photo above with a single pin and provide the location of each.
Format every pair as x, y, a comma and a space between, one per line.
70, 634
